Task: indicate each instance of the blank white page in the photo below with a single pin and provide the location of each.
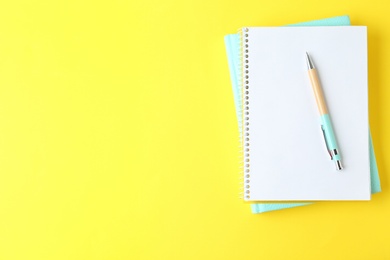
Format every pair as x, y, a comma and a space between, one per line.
288, 159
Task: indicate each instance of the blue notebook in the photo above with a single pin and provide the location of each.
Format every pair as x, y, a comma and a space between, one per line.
232, 47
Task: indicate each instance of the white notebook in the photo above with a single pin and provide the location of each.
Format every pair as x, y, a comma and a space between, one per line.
285, 157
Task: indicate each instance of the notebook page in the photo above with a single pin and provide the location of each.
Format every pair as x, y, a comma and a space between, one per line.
288, 159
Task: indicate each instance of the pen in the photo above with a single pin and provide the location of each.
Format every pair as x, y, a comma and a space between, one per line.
326, 125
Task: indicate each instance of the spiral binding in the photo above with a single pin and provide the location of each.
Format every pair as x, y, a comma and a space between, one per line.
245, 151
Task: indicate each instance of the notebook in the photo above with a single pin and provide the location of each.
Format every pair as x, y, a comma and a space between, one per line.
231, 40
232, 47
283, 144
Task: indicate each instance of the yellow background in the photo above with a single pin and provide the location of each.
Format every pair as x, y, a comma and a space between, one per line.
118, 135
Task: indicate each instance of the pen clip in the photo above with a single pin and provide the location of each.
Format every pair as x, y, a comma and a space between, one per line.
326, 143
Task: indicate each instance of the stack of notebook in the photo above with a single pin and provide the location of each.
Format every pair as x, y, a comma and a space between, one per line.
285, 160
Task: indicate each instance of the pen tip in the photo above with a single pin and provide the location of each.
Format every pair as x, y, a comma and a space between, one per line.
309, 62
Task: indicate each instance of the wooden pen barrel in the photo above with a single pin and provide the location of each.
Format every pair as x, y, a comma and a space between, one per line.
315, 83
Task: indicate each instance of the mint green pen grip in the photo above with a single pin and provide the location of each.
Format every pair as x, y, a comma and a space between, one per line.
329, 135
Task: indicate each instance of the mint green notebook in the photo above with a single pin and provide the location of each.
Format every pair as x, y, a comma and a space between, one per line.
232, 47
